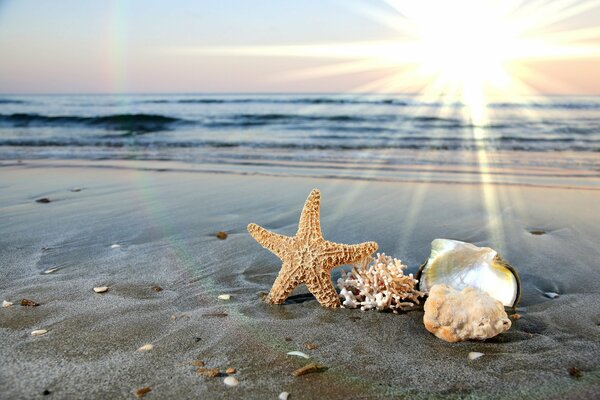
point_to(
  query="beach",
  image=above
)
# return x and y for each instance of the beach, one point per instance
(134, 226)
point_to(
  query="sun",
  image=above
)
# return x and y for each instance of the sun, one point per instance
(468, 47)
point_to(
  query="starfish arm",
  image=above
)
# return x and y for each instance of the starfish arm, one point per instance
(309, 225)
(319, 284)
(283, 286)
(271, 241)
(335, 254)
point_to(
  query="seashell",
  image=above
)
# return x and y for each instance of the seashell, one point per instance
(51, 270)
(101, 289)
(224, 297)
(298, 354)
(474, 355)
(283, 396)
(551, 295)
(460, 265)
(146, 347)
(39, 332)
(454, 315)
(309, 369)
(231, 381)
(6, 304)
(115, 246)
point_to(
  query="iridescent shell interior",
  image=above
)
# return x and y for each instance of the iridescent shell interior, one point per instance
(460, 264)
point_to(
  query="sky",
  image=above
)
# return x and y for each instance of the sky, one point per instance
(236, 46)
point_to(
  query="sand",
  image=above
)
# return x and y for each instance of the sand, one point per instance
(165, 220)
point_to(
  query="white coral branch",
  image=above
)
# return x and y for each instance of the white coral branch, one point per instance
(379, 283)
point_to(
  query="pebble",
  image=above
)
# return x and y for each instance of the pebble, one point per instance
(76, 189)
(551, 295)
(283, 396)
(231, 381)
(516, 316)
(575, 372)
(298, 354)
(39, 332)
(146, 347)
(157, 288)
(115, 246)
(101, 289)
(51, 270)
(230, 371)
(474, 355)
(224, 297)
(29, 303)
(43, 200)
(311, 346)
(221, 235)
(6, 304)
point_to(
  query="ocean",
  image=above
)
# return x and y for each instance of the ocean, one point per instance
(351, 135)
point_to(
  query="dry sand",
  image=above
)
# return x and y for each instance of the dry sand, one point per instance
(165, 222)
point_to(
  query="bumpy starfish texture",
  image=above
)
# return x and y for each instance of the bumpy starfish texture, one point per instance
(307, 257)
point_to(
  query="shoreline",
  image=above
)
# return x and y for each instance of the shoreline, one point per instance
(542, 177)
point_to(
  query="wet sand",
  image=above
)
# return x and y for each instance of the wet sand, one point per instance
(165, 220)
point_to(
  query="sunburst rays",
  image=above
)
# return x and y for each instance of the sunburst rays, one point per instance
(464, 52)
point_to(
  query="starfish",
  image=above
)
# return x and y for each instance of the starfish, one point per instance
(307, 257)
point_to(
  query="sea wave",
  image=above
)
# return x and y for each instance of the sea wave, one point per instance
(392, 101)
(121, 122)
(12, 101)
(271, 100)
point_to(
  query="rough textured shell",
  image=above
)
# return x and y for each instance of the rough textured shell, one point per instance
(454, 315)
(460, 265)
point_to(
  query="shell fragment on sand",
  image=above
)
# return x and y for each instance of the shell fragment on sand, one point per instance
(51, 270)
(551, 295)
(224, 297)
(298, 354)
(460, 265)
(474, 355)
(208, 372)
(115, 246)
(230, 371)
(231, 381)
(141, 392)
(454, 315)
(309, 369)
(101, 289)
(146, 347)
(39, 332)
(6, 304)
(283, 396)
